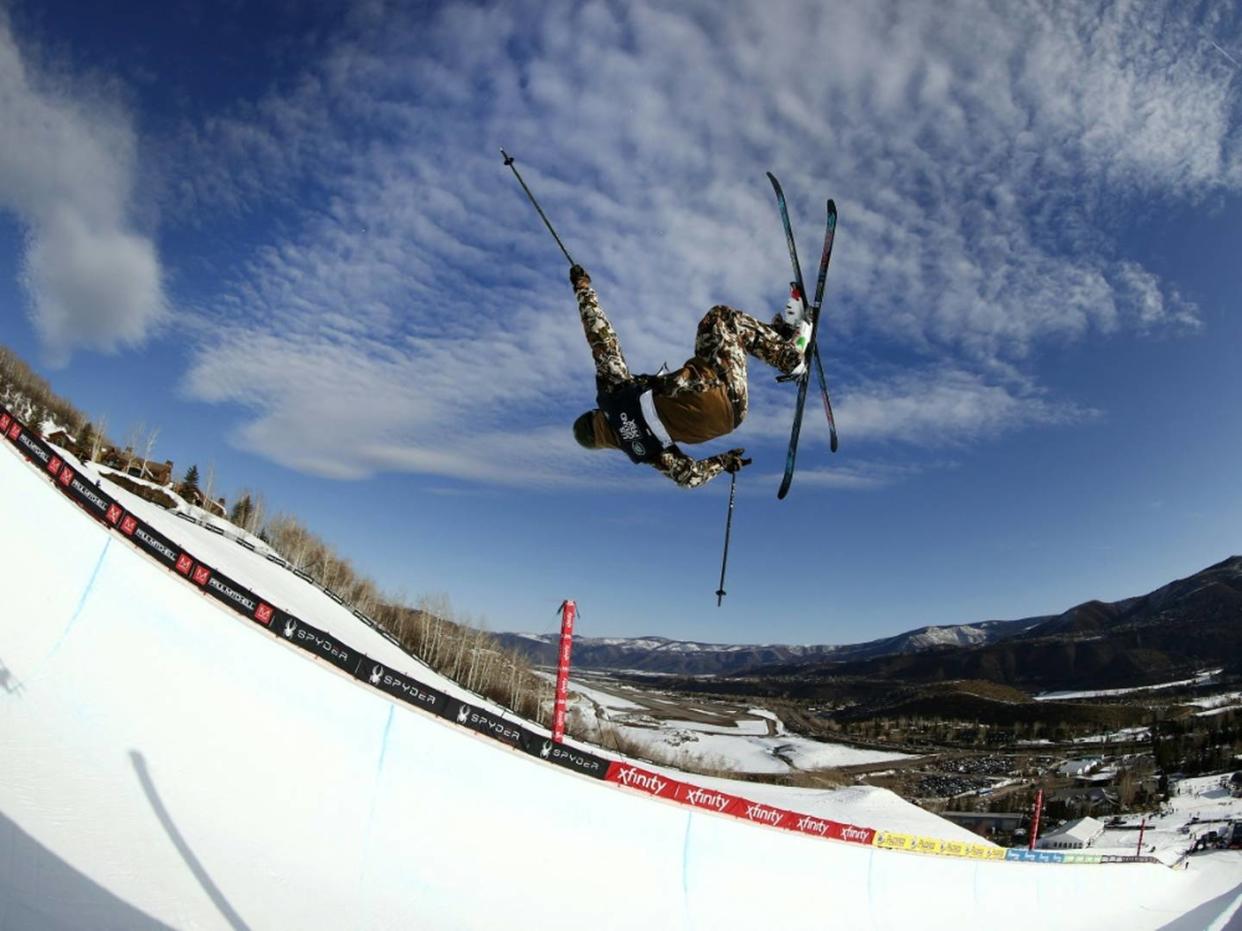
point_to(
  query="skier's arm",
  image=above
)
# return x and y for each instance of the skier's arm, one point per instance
(610, 367)
(691, 473)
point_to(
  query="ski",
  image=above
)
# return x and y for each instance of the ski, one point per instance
(814, 307)
(829, 235)
(830, 231)
(789, 236)
(823, 395)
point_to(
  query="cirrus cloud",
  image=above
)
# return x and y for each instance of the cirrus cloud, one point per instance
(982, 155)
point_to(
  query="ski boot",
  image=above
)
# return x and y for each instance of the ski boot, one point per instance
(794, 324)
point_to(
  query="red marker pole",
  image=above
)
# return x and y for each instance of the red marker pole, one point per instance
(568, 609)
(1138, 852)
(1039, 807)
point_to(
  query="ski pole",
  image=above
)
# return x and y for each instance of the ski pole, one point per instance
(724, 560)
(543, 216)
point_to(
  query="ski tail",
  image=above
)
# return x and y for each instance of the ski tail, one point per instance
(791, 455)
(823, 396)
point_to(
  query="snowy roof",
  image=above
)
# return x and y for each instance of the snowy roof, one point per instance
(1082, 829)
(1078, 767)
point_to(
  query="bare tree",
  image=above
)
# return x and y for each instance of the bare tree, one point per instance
(98, 440)
(133, 441)
(209, 483)
(1127, 788)
(148, 447)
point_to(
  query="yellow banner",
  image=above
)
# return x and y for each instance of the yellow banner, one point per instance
(956, 848)
(984, 852)
(932, 845)
(894, 841)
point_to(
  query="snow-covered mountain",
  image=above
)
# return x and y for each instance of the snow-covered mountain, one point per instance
(1168, 634)
(688, 657)
(1186, 625)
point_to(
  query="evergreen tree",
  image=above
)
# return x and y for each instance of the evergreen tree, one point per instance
(38, 414)
(86, 441)
(189, 484)
(242, 510)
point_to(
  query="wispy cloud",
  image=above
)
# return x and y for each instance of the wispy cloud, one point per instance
(978, 153)
(855, 476)
(67, 169)
(947, 406)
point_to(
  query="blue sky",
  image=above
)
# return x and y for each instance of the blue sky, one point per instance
(283, 235)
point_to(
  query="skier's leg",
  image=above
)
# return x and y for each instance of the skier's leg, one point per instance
(726, 335)
(610, 367)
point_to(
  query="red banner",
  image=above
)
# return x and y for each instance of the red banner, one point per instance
(767, 814)
(562, 671)
(851, 833)
(808, 824)
(623, 774)
(719, 802)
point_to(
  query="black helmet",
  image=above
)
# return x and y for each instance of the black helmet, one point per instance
(584, 430)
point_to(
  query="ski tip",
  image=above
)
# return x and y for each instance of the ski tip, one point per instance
(832, 443)
(832, 207)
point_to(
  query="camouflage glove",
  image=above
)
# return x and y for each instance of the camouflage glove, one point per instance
(578, 277)
(733, 461)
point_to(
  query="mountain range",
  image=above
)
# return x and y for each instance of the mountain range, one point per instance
(1178, 629)
(661, 655)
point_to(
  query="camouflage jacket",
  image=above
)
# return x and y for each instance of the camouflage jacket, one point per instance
(691, 401)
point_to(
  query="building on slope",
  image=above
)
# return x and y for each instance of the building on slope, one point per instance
(1080, 801)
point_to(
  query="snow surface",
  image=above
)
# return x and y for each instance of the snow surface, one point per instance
(1195, 807)
(1124, 735)
(1201, 678)
(164, 763)
(748, 754)
(1213, 712)
(1216, 701)
(741, 746)
(1217, 704)
(276, 584)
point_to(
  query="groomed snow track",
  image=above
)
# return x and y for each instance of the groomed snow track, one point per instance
(164, 763)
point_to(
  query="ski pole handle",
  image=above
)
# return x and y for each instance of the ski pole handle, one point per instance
(509, 161)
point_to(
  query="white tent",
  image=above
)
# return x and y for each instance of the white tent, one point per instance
(1073, 835)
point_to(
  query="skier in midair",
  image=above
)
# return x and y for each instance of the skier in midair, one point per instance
(646, 416)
